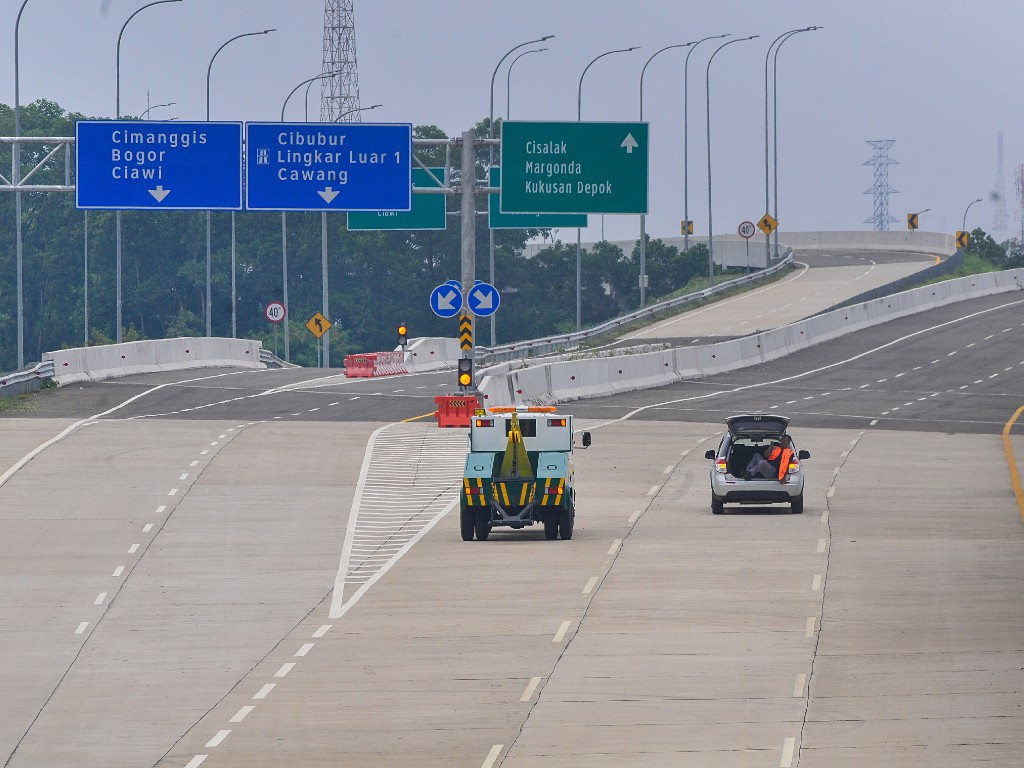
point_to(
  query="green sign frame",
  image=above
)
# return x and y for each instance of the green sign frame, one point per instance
(428, 211)
(574, 167)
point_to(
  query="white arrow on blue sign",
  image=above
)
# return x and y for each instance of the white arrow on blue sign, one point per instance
(483, 299)
(446, 301)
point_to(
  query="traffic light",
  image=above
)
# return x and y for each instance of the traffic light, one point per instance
(403, 333)
(465, 376)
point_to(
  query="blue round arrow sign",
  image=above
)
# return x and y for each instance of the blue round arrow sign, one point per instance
(483, 299)
(446, 301)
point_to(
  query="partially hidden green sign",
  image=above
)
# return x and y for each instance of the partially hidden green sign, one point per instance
(428, 211)
(499, 220)
(574, 167)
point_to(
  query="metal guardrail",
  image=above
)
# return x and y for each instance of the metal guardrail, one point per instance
(562, 342)
(28, 380)
(271, 360)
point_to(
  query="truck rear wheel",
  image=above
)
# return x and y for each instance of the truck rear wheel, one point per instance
(483, 524)
(566, 517)
(467, 522)
(550, 526)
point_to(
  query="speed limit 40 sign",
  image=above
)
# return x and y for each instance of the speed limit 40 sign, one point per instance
(275, 312)
(747, 230)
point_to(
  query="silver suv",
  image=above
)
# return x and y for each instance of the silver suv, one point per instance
(749, 434)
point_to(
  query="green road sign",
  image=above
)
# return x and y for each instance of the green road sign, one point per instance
(499, 220)
(574, 167)
(428, 211)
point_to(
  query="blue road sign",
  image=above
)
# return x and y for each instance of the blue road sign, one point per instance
(132, 164)
(446, 300)
(483, 299)
(328, 167)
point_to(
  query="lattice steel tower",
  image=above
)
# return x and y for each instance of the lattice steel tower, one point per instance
(339, 93)
(881, 190)
(999, 224)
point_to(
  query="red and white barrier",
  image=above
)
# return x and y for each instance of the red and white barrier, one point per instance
(373, 364)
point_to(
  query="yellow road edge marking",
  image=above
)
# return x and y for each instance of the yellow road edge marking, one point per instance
(1012, 461)
(417, 418)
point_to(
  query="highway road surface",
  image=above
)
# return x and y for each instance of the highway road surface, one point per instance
(262, 568)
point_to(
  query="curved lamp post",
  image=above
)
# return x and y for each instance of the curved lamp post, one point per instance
(209, 292)
(686, 138)
(490, 157)
(776, 45)
(579, 117)
(963, 226)
(508, 82)
(707, 88)
(643, 217)
(343, 115)
(145, 113)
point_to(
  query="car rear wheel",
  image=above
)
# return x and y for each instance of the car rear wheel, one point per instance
(797, 505)
(717, 505)
(467, 523)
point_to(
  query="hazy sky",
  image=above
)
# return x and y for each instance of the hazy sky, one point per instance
(941, 78)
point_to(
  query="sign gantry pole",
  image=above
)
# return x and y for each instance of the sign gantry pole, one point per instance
(468, 224)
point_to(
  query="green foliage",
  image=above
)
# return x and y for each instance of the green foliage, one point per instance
(377, 279)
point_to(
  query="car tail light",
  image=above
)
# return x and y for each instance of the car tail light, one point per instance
(794, 467)
(557, 422)
(721, 465)
(474, 491)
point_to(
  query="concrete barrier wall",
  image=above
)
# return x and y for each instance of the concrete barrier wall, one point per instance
(431, 354)
(545, 384)
(115, 360)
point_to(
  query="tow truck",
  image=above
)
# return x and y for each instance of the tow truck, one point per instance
(519, 472)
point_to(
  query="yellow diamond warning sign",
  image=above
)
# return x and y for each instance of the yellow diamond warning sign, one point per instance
(318, 325)
(767, 224)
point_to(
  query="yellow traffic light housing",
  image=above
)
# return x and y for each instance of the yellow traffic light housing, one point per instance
(465, 373)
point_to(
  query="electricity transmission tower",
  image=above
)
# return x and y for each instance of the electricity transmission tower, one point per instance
(339, 93)
(881, 189)
(999, 225)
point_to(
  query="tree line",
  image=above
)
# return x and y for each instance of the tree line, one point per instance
(377, 279)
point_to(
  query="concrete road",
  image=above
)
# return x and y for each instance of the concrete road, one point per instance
(171, 573)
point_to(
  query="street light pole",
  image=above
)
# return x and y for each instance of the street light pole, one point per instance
(16, 180)
(686, 138)
(508, 82)
(119, 335)
(209, 259)
(579, 118)
(775, 129)
(490, 160)
(963, 227)
(707, 90)
(643, 216)
(145, 114)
